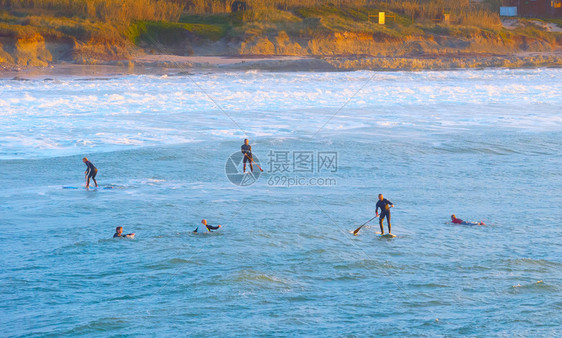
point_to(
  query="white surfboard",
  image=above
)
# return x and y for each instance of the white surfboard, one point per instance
(386, 235)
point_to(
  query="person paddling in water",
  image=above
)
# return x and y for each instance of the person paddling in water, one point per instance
(119, 233)
(385, 206)
(456, 220)
(247, 152)
(90, 172)
(204, 227)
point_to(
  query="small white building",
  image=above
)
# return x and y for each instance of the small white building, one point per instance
(508, 11)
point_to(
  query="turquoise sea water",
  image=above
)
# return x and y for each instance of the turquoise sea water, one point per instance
(483, 144)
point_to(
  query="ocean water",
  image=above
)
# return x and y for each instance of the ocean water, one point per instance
(483, 144)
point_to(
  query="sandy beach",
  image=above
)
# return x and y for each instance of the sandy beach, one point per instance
(164, 64)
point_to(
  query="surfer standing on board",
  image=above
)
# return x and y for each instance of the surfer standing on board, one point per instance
(385, 206)
(91, 172)
(247, 152)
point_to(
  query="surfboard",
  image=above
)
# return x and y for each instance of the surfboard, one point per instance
(126, 237)
(91, 188)
(385, 235)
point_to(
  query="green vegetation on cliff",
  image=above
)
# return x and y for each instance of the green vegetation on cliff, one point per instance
(37, 32)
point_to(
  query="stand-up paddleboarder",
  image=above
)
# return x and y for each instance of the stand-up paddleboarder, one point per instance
(247, 152)
(385, 206)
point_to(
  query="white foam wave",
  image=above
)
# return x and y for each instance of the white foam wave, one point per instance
(134, 111)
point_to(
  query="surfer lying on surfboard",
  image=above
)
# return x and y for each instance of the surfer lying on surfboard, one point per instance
(119, 233)
(204, 227)
(456, 220)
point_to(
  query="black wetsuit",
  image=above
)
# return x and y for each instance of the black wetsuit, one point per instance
(92, 171)
(384, 205)
(117, 235)
(209, 227)
(247, 151)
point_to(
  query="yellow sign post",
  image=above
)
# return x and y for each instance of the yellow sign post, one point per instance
(381, 18)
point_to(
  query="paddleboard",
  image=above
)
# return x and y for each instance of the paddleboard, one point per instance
(386, 235)
(91, 188)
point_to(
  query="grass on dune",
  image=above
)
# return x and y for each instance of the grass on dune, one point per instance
(310, 24)
(171, 32)
(59, 28)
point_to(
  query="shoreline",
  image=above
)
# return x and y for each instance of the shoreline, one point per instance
(161, 64)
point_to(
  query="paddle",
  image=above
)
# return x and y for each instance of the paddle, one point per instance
(357, 230)
(252, 160)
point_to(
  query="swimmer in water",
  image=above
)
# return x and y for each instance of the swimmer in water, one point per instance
(119, 233)
(204, 227)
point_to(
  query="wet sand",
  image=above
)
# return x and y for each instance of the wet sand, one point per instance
(174, 64)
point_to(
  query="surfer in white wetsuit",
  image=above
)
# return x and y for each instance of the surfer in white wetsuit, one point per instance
(204, 227)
